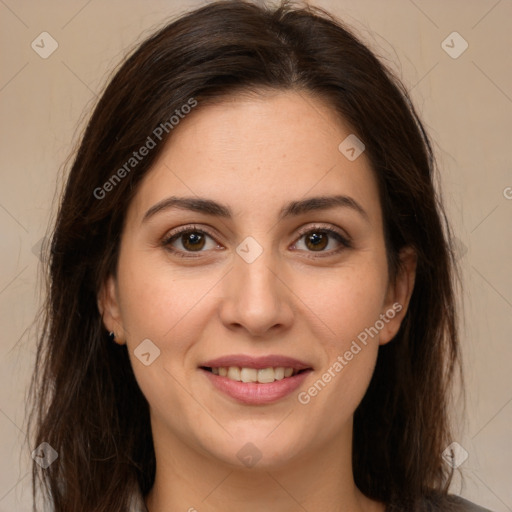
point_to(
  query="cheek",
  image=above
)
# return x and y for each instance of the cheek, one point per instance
(347, 301)
(170, 308)
(158, 302)
(349, 305)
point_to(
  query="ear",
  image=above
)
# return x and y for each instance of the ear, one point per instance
(398, 295)
(108, 306)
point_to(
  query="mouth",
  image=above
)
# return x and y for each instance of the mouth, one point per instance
(260, 376)
(256, 380)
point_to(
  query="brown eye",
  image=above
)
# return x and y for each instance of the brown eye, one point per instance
(193, 241)
(188, 240)
(317, 241)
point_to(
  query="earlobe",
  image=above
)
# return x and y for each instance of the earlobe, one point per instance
(399, 294)
(108, 307)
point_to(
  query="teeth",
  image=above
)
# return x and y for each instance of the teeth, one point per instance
(279, 373)
(266, 375)
(248, 375)
(233, 373)
(263, 376)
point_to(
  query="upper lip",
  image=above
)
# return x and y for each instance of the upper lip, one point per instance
(246, 361)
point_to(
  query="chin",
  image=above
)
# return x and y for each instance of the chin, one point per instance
(259, 451)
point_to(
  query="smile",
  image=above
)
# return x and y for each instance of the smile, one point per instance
(262, 376)
(252, 391)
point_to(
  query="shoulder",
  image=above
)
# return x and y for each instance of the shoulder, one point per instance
(437, 502)
(463, 505)
(450, 503)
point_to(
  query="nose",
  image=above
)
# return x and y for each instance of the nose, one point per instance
(256, 298)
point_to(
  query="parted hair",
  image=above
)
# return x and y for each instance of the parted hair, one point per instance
(85, 401)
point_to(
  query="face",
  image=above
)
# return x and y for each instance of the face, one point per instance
(265, 273)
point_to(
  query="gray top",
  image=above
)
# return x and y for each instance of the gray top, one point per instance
(137, 505)
(137, 502)
(468, 506)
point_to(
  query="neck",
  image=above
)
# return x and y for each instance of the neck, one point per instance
(319, 480)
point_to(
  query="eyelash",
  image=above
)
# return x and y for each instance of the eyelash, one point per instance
(167, 241)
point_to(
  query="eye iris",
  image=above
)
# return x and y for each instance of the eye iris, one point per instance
(319, 240)
(194, 240)
(190, 239)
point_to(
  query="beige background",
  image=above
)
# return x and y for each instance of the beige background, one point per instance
(466, 104)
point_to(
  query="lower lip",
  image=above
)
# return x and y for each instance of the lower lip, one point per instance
(254, 393)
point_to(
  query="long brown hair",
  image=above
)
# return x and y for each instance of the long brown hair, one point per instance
(86, 402)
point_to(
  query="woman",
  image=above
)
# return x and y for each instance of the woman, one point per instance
(252, 298)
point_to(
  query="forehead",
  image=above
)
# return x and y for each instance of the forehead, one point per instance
(256, 152)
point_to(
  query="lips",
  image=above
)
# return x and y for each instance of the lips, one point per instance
(246, 361)
(256, 380)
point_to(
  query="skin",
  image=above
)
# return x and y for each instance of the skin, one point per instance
(255, 154)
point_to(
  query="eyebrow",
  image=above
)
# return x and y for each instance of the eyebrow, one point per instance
(293, 208)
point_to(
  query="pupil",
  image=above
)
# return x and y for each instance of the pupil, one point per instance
(318, 240)
(192, 239)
